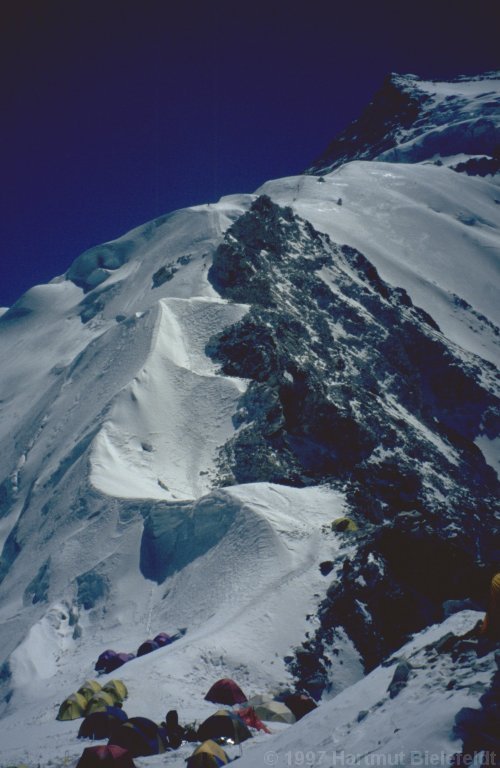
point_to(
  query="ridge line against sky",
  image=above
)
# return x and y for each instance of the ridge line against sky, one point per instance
(117, 112)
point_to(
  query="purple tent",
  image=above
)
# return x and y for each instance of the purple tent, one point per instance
(104, 660)
(121, 658)
(110, 660)
(146, 647)
(162, 639)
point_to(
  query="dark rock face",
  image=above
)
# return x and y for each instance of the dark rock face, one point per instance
(91, 587)
(480, 728)
(163, 275)
(482, 166)
(353, 385)
(375, 131)
(38, 589)
(402, 573)
(326, 567)
(341, 366)
(399, 679)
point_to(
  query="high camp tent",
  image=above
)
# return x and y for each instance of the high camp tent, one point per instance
(103, 663)
(105, 756)
(224, 723)
(274, 711)
(102, 725)
(208, 755)
(72, 707)
(147, 647)
(99, 702)
(117, 689)
(110, 660)
(163, 639)
(140, 736)
(88, 688)
(226, 691)
(259, 698)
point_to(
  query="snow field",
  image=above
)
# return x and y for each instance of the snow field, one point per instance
(245, 603)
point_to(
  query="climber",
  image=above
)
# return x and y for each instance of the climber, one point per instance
(175, 733)
(484, 635)
(490, 625)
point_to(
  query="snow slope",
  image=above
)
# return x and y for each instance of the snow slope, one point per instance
(244, 601)
(360, 725)
(363, 725)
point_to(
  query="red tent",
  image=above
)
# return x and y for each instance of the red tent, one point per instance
(105, 756)
(226, 691)
(300, 704)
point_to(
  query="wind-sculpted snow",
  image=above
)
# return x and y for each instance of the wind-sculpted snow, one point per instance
(162, 431)
(94, 266)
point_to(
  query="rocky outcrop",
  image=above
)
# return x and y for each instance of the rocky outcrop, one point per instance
(353, 385)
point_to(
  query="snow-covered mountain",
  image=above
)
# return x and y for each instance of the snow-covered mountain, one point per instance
(189, 414)
(411, 120)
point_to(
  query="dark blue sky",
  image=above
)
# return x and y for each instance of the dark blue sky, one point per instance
(115, 112)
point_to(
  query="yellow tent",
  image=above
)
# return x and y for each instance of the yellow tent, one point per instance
(99, 702)
(72, 707)
(208, 755)
(343, 524)
(117, 689)
(88, 688)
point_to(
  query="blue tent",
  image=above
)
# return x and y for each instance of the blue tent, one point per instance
(140, 736)
(101, 725)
